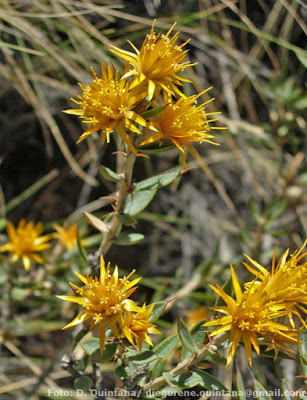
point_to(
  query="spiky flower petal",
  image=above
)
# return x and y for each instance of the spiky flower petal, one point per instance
(67, 236)
(136, 326)
(253, 315)
(106, 303)
(108, 104)
(157, 63)
(26, 242)
(182, 123)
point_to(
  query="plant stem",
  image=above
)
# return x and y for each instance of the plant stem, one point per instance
(186, 364)
(123, 191)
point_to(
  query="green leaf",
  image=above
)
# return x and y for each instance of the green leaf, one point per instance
(285, 390)
(165, 348)
(302, 58)
(227, 287)
(303, 350)
(153, 112)
(78, 337)
(110, 175)
(143, 358)
(215, 358)
(122, 372)
(92, 348)
(240, 386)
(208, 381)
(156, 182)
(136, 202)
(145, 191)
(128, 239)
(198, 334)
(157, 310)
(276, 208)
(80, 247)
(83, 382)
(182, 381)
(82, 363)
(126, 220)
(3, 223)
(261, 392)
(185, 336)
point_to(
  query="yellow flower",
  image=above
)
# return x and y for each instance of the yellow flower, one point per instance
(252, 315)
(182, 123)
(286, 283)
(66, 236)
(26, 242)
(104, 299)
(107, 104)
(157, 63)
(196, 315)
(136, 326)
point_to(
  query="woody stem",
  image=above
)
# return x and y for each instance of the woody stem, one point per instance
(123, 191)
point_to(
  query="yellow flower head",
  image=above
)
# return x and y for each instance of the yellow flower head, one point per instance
(252, 315)
(104, 299)
(26, 242)
(107, 104)
(66, 236)
(182, 123)
(286, 282)
(157, 63)
(136, 326)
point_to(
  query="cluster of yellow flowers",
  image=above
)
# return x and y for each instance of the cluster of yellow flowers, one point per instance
(115, 102)
(263, 312)
(26, 240)
(106, 303)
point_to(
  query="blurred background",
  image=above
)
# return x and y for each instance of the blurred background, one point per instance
(251, 196)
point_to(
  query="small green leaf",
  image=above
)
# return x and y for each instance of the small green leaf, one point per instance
(157, 310)
(110, 175)
(83, 382)
(240, 386)
(165, 348)
(302, 58)
(157, 181)
(198, 333)
(261, 392)
(3, 223)
(143, 358)
(78, 337)
(208, 381)
(276, 208)
(136, 202)
(303, 350)
(185, 336)
(182, 381)
(152, 112)
(122, 372)
(92, 348)
(80, 247)
(82, 363)
(285, 390)
(126, 220)
(214, 358)
(127, 239)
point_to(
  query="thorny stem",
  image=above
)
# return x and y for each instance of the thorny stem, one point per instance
(186, 364)
(123, 191)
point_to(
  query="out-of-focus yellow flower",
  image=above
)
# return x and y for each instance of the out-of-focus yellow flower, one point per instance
(26, 242)
(108, 104)
(67, 236)
(105, 300)
(136, 326)
(157, 63)
(182, 123)
(251, 315)
(285, 283)
(196, 315)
